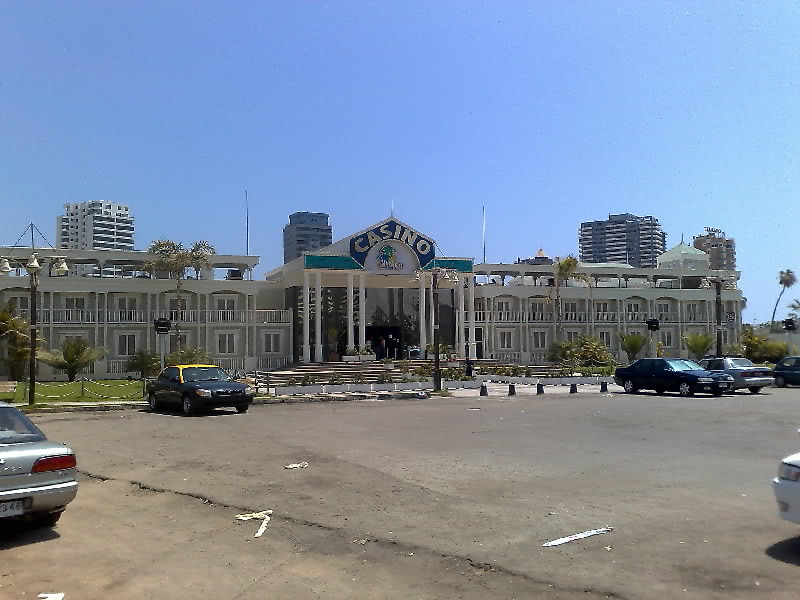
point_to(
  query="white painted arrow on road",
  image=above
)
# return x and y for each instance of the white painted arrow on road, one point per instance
(51, 596)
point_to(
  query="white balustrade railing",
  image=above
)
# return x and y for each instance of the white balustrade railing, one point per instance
(268, 363)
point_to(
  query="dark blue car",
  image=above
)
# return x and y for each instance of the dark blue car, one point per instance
(787, 371)
(197, 388)
(672, 375)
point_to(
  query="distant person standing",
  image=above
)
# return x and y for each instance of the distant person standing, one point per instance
(469, 367)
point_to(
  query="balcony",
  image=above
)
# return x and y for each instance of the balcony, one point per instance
(65, 316)
(540, 317)
(605, 317)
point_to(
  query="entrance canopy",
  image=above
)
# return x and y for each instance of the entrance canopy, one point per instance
(389, 249)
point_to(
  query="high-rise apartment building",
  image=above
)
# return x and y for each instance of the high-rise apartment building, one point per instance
(95, 225)
(721, 250)
(306, 232)
(623, 238)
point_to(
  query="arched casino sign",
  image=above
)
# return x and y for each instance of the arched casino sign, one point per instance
(392, 248)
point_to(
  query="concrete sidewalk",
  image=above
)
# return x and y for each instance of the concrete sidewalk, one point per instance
(497, 391)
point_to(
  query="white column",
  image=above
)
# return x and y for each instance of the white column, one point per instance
(460, 317)
(679, 341)
(471, 315)
(432, 312)
(423, 330)
(350, 341)
(362, 310)
(306, 328)
(318, 317)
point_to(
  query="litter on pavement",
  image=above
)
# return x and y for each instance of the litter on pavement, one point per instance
(577, 536)
(264, 514)
(300, 465)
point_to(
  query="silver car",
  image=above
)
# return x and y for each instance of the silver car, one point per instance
(37, 477)
(745, 374)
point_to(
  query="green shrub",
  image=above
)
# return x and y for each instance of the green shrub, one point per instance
(385, 377)
(308, 380)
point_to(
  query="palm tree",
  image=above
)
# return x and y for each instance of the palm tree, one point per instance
(564, 269)
(75, 354)
(632, 344)
(174, 259)
(795, 308)
(14, 334)
(698, 344)
(145, 363)
(787, 279)
(188, 356)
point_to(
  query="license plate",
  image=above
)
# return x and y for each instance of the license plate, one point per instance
(11, 509)
(723, 385)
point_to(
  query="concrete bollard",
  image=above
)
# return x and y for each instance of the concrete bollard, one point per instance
(573, 388)
(603, 387)
(512, 389)
(540, 388)
(484, 391)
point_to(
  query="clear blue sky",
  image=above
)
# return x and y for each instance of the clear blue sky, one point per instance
(549, 113)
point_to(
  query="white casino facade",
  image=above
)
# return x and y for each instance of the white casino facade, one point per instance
(373, 289)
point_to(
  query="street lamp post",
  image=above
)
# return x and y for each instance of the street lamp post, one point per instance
(437, 273)
(33, 267)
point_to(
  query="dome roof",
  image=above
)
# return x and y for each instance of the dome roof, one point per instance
(682, 253)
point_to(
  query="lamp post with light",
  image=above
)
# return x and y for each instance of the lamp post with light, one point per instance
(437, 274)
(33, 267)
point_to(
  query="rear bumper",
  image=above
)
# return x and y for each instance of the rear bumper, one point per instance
(45, 498)
(748, 382)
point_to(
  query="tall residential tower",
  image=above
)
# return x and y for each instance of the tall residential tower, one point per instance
(720, 249)
(95, 225)
(623, 238)
(306, 232)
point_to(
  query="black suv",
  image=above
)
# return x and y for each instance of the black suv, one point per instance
(671, 374)
(196, 388)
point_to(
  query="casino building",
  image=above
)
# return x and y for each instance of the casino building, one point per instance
(373, 289)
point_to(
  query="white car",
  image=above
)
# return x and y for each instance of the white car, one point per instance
(787, 488)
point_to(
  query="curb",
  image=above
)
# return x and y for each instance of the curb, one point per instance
(102, 407)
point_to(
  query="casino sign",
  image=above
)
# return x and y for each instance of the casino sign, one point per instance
(391, 247)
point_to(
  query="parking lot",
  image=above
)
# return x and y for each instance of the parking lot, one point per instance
(436, 498)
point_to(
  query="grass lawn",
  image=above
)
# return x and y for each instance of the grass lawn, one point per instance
(78, 391)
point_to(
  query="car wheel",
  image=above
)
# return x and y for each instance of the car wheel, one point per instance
(755, 390)
(659, 391)
(46, 519)
(188, 406)
(242, 409)
(628, 386)
(780, 381)
(685, 390)
(152, 402)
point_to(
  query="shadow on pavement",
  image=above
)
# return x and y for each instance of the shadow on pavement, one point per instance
(21, 533)
(787, 551)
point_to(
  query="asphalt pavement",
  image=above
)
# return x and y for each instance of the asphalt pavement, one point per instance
(436, 498)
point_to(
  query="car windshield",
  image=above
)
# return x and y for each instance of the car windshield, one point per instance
(16, 428)
(741, 362)
(684, 365)
(205, 374)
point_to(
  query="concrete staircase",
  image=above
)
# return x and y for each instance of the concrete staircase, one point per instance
(349, 372)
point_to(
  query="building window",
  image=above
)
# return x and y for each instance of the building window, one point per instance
(662, 308)
(605, 337)
(74, 337)
(691, 311)
(570, 307)
(572, 336)
(226, 343)
(272, 342)
(226, 308)
(126, 344)
(173, 342)
(506, 340)
(539, 339)
(633, 307)
(666, 338)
